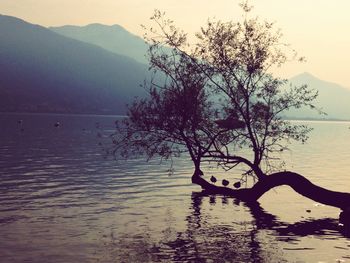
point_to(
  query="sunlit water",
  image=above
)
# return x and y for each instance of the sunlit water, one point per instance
(61, 200)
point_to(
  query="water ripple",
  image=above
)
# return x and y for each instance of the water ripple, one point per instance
(62, 201)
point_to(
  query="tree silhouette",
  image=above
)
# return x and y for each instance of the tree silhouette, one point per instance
(214, 97)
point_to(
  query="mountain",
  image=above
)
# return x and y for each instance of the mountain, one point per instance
(112, 38)
(42, 71)
(93, 69)
(332, 98)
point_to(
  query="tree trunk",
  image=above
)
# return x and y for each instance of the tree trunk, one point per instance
(296, 181)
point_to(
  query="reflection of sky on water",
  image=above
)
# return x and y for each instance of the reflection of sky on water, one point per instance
(61, 201)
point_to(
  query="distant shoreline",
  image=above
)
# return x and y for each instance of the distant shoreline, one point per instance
(62, 114)
(121, 115)
(317, 119)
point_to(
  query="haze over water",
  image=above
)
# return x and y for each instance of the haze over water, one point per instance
(62, 201)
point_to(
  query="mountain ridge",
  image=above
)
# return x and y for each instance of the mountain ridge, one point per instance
(333, 99)
(113, 38)
(44, 71)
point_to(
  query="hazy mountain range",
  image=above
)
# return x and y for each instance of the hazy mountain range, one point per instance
(42, 71)
(332, 99)
(112, 38)
(97, 69)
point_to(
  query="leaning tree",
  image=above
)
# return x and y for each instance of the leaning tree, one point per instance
(214, 97)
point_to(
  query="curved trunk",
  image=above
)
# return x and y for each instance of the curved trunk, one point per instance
(296, 181)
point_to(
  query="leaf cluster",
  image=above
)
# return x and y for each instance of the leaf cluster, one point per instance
(203, 93)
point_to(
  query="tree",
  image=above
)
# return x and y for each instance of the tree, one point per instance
(217, 96)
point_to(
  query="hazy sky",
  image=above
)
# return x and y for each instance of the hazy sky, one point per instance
(317, 29)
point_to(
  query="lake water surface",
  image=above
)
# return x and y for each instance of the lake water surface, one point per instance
(62, 200)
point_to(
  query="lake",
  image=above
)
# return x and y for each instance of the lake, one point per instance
(63, 200)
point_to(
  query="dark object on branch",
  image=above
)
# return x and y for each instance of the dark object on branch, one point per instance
(213, 179)
(230, 124)
(225, 182)
(296, 181)
(237, 184)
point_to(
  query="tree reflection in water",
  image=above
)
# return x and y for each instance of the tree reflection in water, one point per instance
(203, 241)
(315, 227)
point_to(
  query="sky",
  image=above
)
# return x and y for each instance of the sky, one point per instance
(318, 30)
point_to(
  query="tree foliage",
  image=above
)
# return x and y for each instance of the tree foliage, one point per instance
(215, 96)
